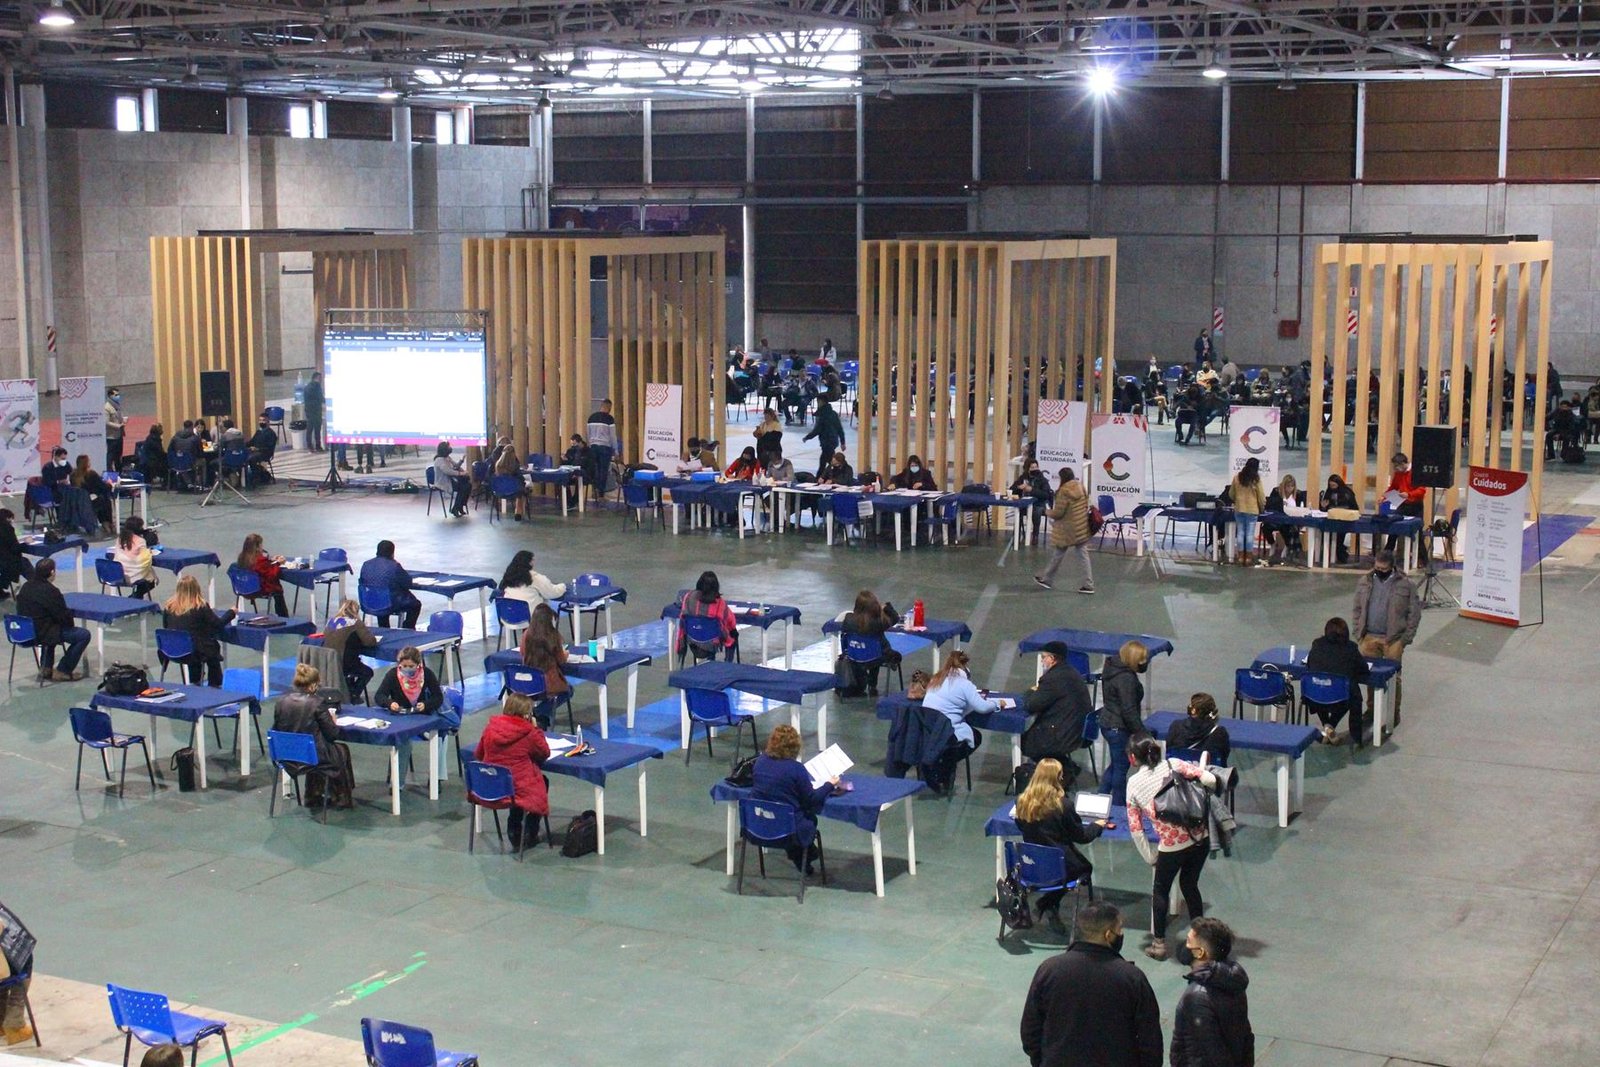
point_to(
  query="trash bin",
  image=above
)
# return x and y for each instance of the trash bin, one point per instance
(297, 435)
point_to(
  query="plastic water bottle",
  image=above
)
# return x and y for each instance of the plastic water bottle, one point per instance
(580, 737)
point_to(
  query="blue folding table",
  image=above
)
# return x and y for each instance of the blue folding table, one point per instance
(257, 636)
(308, 573)
(608, 758)
(392, 641)
(1019, 506)
(177, 560)
(34, 545)
(193, 703)
(559, 476)
(1003, 824)
(580, 597)
(870, 796)
(580, 670)
(770, 684)
(450, 586)
(745, 613)
(905, 638)
(1286, 742)
(1099, 643)
(395, 732)
(1012, 720)
(1379, 673)
(102, 610)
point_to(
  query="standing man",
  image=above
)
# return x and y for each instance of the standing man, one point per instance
(1211, 1024)
(1387, 613)
(1202, 349)
(1069, 532)
(313, 403)
(1089, 1007)
(602, 434)
(828, 430)
(41, 601)
(116, 426)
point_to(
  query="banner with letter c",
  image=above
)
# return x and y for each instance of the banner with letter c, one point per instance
(1120, 446)
(19, 432)
(83, 419)
(1491, 558)
(1058, 436)
(663, 424)
(1253, 434)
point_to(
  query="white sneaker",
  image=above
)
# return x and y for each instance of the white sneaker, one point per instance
(1087, 590)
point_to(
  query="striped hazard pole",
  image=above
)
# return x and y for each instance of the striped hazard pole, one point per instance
(50, 341)
(1216, 319)
(1352, 319)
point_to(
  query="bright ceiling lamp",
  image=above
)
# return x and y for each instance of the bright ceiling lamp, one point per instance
(56, 16)
(905, 18)
(390, 91)
(1102, 80)
(1215, 69)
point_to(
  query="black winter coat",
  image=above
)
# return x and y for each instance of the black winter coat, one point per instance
(1211, 1024)
(1089, 1007)
(1123, 694)
(1056, 707)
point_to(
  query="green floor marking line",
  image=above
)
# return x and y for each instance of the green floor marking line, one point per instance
(352, 993)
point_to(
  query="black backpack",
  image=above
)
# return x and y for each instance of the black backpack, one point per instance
(1572, 452)
(124, 680)
(583, 836)
(1012, 900)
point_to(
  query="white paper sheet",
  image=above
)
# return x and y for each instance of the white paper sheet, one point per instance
(830, 763)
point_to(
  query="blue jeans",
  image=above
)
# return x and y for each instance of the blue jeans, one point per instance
(1115, 778)
(75, 639)
(1244, 525)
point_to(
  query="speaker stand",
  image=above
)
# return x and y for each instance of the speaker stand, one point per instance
(1434, 593)
(331, 482)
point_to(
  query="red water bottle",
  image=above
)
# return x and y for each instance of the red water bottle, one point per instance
(916, 614)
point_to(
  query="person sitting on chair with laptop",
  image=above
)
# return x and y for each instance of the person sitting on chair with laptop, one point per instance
(1046, 818)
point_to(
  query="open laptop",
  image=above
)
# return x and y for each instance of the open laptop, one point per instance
(1092, 806)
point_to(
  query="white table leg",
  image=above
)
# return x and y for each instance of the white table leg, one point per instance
(935, 650)
(100, 645)
(673, 504)
(605, 712)
(877, 860)
(830, 527)
(1380, 714)
(433, 766)
(822, 725)
(211, 584)
(633, 692)
(683, 719)
(999, 859)
(579, 481)
(200, 751)
(788, 644)
(83, 559)
(600, 818)
(483, 611)
(911, 837)
(608, 617)
(1283, 790)
(394, 779)
(1016, 751)
(731, 833)
(644, 823)
(794, 718)
(897, 515)
(672, 642)
(765, 630)
(243, 739)
(266, 663)
(153, 752)
(1299, 783)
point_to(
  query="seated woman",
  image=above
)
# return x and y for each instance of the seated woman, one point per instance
(745, 468)
(409, 688)
(1334, 653)
(1339, 495)
(1032, 483)
(914, 476)
(138, 563)
(188, 611)
(450, 475)
(14, 565)
(87, 480)
(543, 650)
(302, 711)
(836, 472)
(706, 599)
(1045, 817)
(769, 435)
(521, 582)
(1285, 535)
(871, 620)
(780, 777)
(152, 454)
(952, 693)
(346, 634)
(578, 455)
(1201, 732)
(507, 465)
(513, 740)
(253, 557)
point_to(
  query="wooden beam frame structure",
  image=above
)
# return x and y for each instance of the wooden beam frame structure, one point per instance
(1424, 313)
(958, 336)
(666, 323)
(206, 305)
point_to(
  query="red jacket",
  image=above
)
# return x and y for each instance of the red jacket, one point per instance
(1400, 482)
(519, 746)
(718, 609)
(268, 572)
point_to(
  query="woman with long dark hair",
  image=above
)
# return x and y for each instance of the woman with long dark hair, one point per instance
(521, 582)
(873, 620)
(253, 557)
(1249, 498)
(449, 472)
(706, 599)
(138, 563)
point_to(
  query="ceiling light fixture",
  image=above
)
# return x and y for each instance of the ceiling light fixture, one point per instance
(390, 91)
(544, 101)
(1102, 81)
(905, 19)
(886, 93)
(56, 16)
(1215, 70)
(191, 76)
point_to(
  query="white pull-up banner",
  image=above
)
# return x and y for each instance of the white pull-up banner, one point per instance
(1491, 559)
(663, 424)
(1058, 436)
(1253, 434)
(1120, 447)
(19, 427)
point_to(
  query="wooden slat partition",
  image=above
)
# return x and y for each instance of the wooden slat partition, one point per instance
(666, 322)
(949, 326)
(1474, 329)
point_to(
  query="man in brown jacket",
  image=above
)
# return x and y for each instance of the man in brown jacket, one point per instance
(1069, 531)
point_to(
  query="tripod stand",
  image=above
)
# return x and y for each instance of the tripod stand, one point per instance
(1434, 593)
(332, 481)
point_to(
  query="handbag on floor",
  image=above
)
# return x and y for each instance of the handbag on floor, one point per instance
(183, 767)
(582, 837)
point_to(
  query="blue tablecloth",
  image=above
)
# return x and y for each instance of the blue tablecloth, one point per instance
(938, 631)
(391, 642)
(861, 805)
(722, 497)
(890, 503)
(398, 729)
(1009, 721)
(198, 701)
(744, 612)
(598, 672)
(1003, 823)
(176, 559)
(553, 475)
(1094, 642)
(785, 687)
(32, 547)
(1379, 671)
(449, 585)
(318, 570)
(1277, 737)
(989, 500)
(256, 637)
(1400, 526)
(96, 607)
(582, 596)
(608, 758)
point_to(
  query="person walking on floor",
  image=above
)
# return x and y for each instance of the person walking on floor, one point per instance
(312, 409)
(1181, 851)
(1069, 532)
(830, 434)
(1211, 1024)
(1089, 1007)
(116, 428)
(1387, 614)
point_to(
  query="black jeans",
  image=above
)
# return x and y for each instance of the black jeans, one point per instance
(1184, 865)
(944, 770)
(356, 678)
(407, 607)
(522, 827)
(210, 666)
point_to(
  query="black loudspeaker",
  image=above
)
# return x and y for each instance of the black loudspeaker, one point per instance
(216, 393)
(1433, 460)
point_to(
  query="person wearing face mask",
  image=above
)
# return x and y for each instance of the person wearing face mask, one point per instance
(116, 427)
(1411, 505)
(829, 432)
(1339, 495)
(1032, 483)
(1122, 718)
(409, 687)
(744, 468)
(57, 471)
(1386, 616)
(1056, 706)
(836, 471)
(915, 476)
(1088, 1005)
(1211, 1024)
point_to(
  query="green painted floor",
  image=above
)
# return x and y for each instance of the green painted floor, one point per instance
(1435, 902)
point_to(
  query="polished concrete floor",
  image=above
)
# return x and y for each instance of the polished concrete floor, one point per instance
(1434, 904)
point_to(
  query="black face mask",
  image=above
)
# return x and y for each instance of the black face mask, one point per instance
(1116, 944)
(1382, 576)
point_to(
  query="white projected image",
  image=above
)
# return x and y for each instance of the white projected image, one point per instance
(406, 387)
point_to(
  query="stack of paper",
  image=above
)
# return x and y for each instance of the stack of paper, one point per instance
(559, 745)
(828, 764)
(164, 698)
(361, 723)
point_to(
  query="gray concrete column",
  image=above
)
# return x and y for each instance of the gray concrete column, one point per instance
(649, 145)
(149, 111)
(400, 133)
(1361, 131)
(1227, 128)
(19, 231)
(239, 130)
(33, 122)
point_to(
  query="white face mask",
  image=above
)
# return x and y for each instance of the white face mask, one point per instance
(915, 469)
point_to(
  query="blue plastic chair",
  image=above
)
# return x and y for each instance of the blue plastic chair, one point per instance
(637, 500)
(296, 755)
(701, 632)
(1041, 869)
(847, 512)
(375, 600)
(529, 682)
(449, 622)
(1260, 689)
(391, 1044)
(91, 728)
(246, 586)
(947, 517)
(867, 651)
(503, 488)
(489, 786)
(41, 500)
(21, 633)
(19, 983)
(110, 573)
(435, 491)
(180, 468)
(275, 421)
(235, 461)
(1118, 523)
(717, 707)
(1091, 734)
(1323, 690)
(513, 615)
(150, 1018)
(1079, 661)
(591, 580)
(174, 645)
(769, 824)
